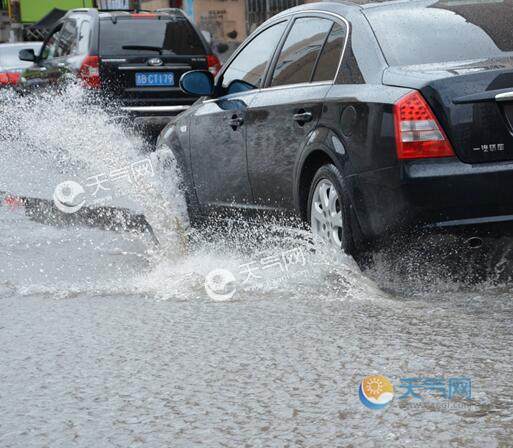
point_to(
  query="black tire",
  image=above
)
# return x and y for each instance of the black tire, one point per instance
(331, 173)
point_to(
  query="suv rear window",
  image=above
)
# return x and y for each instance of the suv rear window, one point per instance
(446, 31)
(175, 36)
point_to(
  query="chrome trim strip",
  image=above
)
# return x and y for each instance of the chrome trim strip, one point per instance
(160, 67)
(267, 89)
(155, 108)
(302, 84)
(470, 221)
(152, 89)
(508, 96)
(213, 100)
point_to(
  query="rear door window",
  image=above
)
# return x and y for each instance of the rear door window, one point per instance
(175, 36)
(300, 51)
(329, 58)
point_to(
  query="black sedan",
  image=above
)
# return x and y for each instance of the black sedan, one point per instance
(359, 119)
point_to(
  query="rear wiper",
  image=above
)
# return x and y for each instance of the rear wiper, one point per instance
(143, 47)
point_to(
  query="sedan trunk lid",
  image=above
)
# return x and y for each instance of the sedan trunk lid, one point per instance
(473, 101)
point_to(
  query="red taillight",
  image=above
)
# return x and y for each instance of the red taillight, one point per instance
(9, 78)
(214, 65)
(90, 72)
(417, 131)
(14, 77)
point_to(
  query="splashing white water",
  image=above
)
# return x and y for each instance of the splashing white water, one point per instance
(72, 135)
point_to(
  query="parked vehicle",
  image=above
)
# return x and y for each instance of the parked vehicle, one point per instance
(360, 119)
(135, 57)
(10, 64)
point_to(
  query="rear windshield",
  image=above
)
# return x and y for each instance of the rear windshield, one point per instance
(446, 31)
(173, 36)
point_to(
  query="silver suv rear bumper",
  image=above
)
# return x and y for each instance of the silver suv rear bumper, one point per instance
(153, 117)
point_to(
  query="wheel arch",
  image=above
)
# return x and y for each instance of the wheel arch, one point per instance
(324, 146)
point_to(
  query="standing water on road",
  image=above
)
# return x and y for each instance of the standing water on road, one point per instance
(243, 336)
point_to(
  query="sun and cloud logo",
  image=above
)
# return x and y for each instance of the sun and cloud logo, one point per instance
(220, 284)
(376, 391)
(68, 196)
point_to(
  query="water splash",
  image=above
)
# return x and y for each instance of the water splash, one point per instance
(75, 135)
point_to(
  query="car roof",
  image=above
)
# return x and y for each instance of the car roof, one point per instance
(364, 4)
(129, 13)
(356, 5)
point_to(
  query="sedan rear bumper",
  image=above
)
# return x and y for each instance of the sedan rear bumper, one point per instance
(442, 193)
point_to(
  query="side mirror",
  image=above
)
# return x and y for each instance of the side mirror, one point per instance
(197, 83)
(27, 55)
(238, 86)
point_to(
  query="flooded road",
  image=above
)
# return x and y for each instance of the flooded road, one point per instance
(107, 339)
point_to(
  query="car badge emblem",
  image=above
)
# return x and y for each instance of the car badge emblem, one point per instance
(155, 62)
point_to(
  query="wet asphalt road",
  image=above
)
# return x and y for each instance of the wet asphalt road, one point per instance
(101, 344)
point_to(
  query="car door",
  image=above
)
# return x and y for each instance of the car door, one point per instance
(218, 125)
(286, 111)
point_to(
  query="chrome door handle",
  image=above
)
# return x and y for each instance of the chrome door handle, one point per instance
(303, 117)
(235, 122)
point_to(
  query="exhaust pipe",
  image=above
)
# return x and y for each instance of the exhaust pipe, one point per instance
(474, 242)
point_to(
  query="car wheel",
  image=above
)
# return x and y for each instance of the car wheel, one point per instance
(329, 208)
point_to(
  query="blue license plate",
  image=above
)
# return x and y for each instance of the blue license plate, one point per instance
(160, 79)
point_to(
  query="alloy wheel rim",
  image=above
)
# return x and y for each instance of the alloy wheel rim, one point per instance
(326, 214)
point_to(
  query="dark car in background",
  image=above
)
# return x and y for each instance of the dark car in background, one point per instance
(10, 64)
(359, 119)
(135, 57)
